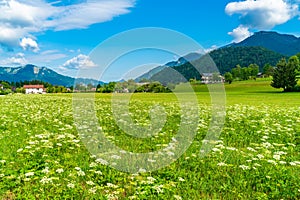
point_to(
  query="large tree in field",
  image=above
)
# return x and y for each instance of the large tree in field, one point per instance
(285, 74)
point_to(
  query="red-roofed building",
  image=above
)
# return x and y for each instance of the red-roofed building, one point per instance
(34, 89)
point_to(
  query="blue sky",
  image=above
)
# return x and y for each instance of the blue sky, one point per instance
(61, 34)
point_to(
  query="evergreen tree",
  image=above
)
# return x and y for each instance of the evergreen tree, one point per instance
(285, 74)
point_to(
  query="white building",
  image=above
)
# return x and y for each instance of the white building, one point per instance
(34, 89)
(208, 78)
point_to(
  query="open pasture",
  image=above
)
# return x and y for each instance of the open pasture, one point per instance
(256, 156)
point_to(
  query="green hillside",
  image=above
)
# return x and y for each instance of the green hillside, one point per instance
(223, 59)
(228, 58)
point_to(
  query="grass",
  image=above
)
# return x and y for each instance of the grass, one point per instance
(256, 157)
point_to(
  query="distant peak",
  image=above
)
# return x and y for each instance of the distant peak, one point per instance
(265, 32)
(30, 65)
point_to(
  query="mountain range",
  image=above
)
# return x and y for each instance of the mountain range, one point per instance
(265, 47)
(261, 48)
(32, 72)
(281, 43)
(181, 61)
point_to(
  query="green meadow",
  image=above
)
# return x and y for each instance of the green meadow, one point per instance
(256, 156)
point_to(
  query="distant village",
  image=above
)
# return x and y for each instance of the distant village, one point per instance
(130, 86)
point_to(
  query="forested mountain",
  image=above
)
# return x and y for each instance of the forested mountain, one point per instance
(228, 58)
(181, 61)
(281, 43)
(223, 59)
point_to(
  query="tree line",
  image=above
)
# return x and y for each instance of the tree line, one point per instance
(130, 86)
(7, 87)
(284, 75)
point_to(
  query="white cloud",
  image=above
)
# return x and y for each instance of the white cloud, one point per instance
(213, 47)
(29, 44)
(240, 33)
(18, 59)
(91, 12)
(79, 62)
(261, 14)
(20, 18)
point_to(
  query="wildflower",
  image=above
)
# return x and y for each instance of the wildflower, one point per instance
(46, 170)
(123, 152)
(111, 185)
(158, 188)
(93, 164)
(181, 179)
(280, 153)
(2, 161)
(60, 170)
(102, 161)
(19, 150)
(116, 157)
(29, 174)
(2, 175)
(59, 144)
(276, 157)
(80, 173)
(267, 145)
(141, 170)
(170, 153)
(90, 183)
(251, 149)
(78, 168)
(98, 172)
(231, 148)
(265, 137)
(272, 162)
(152, 161)
(177, 197)
(70, 185)
(216, 150)
(93, 190)
(282, 162)
(111, 196)
(293, 163)
(221, 164)
(297, 162)
(61, 137)
(260, 156)
(221, 146)
(244, 167)
(149, 178)
(46, 180)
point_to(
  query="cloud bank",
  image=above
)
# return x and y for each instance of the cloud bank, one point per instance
(17, 60)
(19, 18)
(260, 15)
(79, 62)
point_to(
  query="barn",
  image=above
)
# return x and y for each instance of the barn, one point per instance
(34, 89)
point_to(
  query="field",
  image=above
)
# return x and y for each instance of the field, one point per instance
(42, 155)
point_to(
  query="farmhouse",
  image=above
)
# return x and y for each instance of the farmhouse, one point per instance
(34, 89)
(208, 78)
